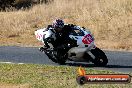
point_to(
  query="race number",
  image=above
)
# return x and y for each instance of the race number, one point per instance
(39, 36)
(87, 39)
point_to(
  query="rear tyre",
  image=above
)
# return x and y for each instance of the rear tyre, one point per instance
(51, 56)
(62, 59)
(61, 62)
(56, 57)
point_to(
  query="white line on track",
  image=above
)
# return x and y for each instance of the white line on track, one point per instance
(10, 63)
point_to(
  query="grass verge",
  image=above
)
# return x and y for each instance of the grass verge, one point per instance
(44, 76)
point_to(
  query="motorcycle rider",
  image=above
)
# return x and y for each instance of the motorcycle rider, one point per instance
(62, 32)
(63, 42)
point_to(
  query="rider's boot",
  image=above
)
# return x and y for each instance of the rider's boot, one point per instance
(43, 48)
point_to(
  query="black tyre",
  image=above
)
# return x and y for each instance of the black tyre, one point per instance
(62, 59)
(61, 62)
(56, 57)
(100, 57)
(100, 61)
(51, 56)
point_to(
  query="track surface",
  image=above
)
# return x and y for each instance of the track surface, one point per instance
(118, 60)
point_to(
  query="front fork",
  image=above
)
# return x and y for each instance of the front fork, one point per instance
(89, 55)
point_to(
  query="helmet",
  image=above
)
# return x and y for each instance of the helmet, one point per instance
(58, 23)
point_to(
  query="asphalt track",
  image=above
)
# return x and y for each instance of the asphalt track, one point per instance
(120, 61)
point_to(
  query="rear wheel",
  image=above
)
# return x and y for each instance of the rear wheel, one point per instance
(62, 59)
(100, 57)
(61, 62)
(51, 56)
(56, 57)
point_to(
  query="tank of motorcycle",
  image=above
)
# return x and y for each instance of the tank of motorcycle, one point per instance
(83, 37)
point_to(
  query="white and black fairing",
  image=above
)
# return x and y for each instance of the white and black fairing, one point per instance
(84, 51)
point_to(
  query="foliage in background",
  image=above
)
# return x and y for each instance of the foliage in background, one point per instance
(110, 21)
(18, 4)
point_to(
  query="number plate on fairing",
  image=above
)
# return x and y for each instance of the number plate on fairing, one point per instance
(87, 39)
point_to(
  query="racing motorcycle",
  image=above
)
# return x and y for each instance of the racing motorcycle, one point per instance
(85, 51)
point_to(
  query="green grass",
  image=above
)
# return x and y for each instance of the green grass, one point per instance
(44, 76)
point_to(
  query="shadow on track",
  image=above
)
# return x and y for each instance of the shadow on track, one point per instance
(92, 65)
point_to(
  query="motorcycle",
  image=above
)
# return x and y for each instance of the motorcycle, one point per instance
(85, 51)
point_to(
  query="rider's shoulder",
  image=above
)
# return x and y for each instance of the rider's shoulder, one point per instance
(49, 27)
(70, 25)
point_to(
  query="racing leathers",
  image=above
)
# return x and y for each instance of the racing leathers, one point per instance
(63, 42)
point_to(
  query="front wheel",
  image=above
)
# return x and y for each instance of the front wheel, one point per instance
(100, 57)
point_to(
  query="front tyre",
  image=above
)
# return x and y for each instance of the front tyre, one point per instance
(100, 57)
(101, 61)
